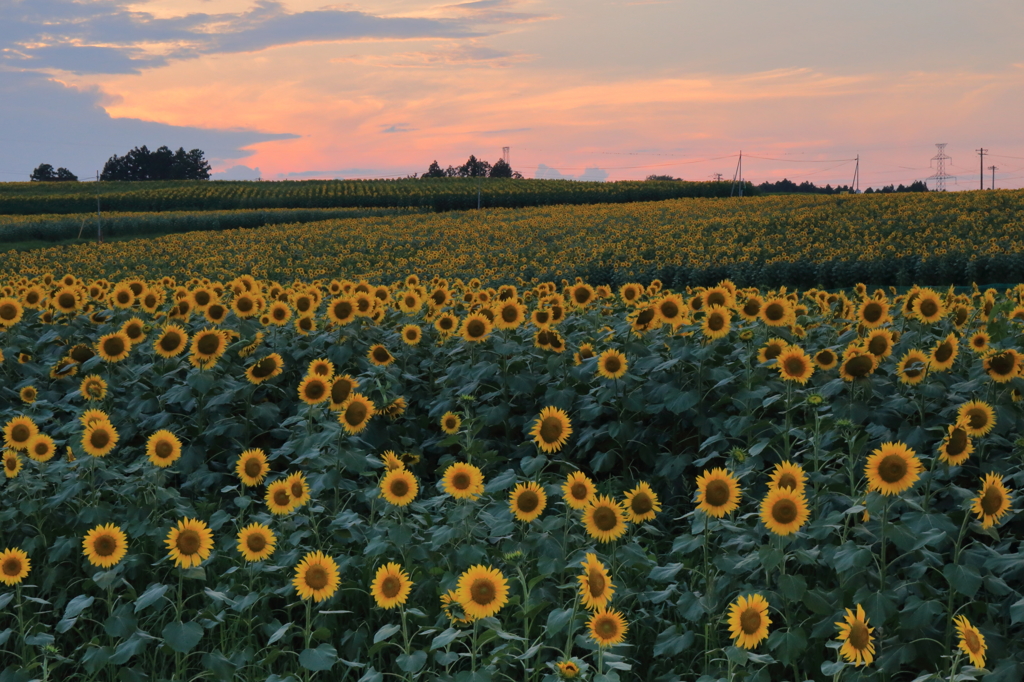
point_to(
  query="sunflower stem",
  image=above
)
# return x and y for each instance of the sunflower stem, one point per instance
(883, 522)
(309, 632)
(950, 601)
(572, 624)
(405, 634)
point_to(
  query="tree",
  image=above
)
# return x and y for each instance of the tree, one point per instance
(162, 164)
(663, 178)
(45, 173)
(474, 168)
(501, 169)
(435, 171)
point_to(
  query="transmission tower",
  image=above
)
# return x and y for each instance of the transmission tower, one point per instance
(940, 176)
(504, 153)
(718, 177)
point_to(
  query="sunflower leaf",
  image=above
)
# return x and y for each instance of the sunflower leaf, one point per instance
(182, 637)
(386, 631)
(321, 658)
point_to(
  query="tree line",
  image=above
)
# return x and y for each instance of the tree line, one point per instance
(139, 164)
(473, 168)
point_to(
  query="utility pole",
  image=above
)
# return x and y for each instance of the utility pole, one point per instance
(738, 175)
(718, 177)
(981, 176)
(993, 169)
(856, 177)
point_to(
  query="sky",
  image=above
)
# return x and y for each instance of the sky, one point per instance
(581, 89)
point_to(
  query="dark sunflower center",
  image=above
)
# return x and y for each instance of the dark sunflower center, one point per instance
(133, 331)
(208, 344)
(41, 448)
(449, 424)
(297, 490)
(315, 390)
(340, 391)
(253, 468)
(878, 345)
(957, 442)
(775, 311)
(316, 577)
(447, 323)
(645, 317)
(607, 628)
(752, 307)
(391, 586)
(245, 304)
(67, 301)
(12, 566)
(795, 367)
(264, 368)
(605, 519)
(1002, 363)
(586, 353)
(510, 313)
(991, 501)
(411, 334)
(114, 346)
(750, 621)
(784, 512)
(355, 414)
(342, 310)
(551, 429)
(123, 297)
(11, 462)
(630, 294)
(202, 297)
(256, 542)
(163, 449)
(669, 310)
(188, 542)
(612, 364)
(929, 307)
(596, 582)
(872, 312)
(716, 322)
(381, 354)
(787, 480)
(104, 545)
(716, 298)
(461, 481)
(978, 418)
(944, 351)
(773, 351)
(892, 468)
(280, 312)
(978, 342)
(170, 341)
(482, 591)
(859, 636)
(716, 493)
(972, 641)
(20, 433)
(859, 366)
(476, 329)
(641, 504)
(527, 501)
(8, 311)
(399, 487)
(281, 498)
(99, 439)
(578, 491)
(914, 368)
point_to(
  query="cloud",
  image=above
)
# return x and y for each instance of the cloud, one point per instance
(47, 122)
(448, 55)
(237, 173)
(590, 174)
(397, 128)
(355, 173)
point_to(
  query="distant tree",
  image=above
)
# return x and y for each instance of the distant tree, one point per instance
(45, 173)
(474, 168)
(162, 164)
(435, 171)
(663, 178)
(501, 169)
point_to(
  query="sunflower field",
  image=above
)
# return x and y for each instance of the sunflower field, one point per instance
(439, 479)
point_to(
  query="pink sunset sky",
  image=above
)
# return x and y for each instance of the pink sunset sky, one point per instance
(608, 89)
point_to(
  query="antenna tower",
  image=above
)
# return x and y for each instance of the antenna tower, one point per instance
(940, 176)
(504, 153)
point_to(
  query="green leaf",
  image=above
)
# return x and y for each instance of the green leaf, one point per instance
(278, 633)
(385, 632)
(152, 595)
(792, 586)
(77, 605)
(321, 658)
(664, 574)
(133, 646)
(963, 579)
(557, 620)
(182, 637)
(444, 639)
(411, 663)
(1017, 612)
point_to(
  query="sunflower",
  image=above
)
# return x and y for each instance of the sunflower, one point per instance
(316, 577)
(93, 387)
(90, 416)
(412, 334)
(341, 389)
(475, 328)
(99, 438)
(279, 498)
(928, 306)
(18, 432)
(857, 365)
(256, 542)
(578, 490)
(298, 488)
(446, 324)
(163, 448)
(611, 364)
(992, 502)
(313, 390)
(40, 448)
(527, 501)
(171, 342)
(509, 314)
(795, 365)
(28, 394)
(11, 312)
(718, 492)
(978, 417)
(105, 546)
(450, 423)
(66, 300)
(771, 350)
(671, 310)
(453, 609)
(641, 503)
(596, 587)
(979, 342)
(113, 347)
(391, 460)
(604, 519)
(826, 358)
(552, 429)
(482, 591)
(568, 670)
(189, 543)
(631, 293)
(265, 368)
(208, 344)
(321, 367)
(391, 586)
(749, 620)
(858, 644)
(1004, 365)
(607, 627)
(463, 481)
(912, 367)
(784, 511)
(355, 414)
(956, 447)
(873, 313)
(944, 354)
(399, 487)
(788, 475)
(892, 469)
(246, 305)
(252, 467)
(12, 464)
(879, 343)
(14, 566)
(776, 312)
(379, 355)
(972, 642)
